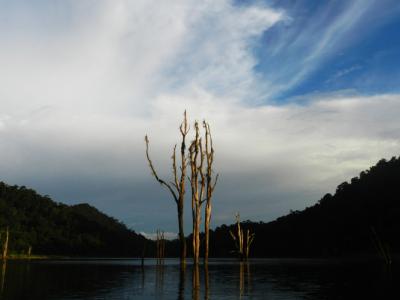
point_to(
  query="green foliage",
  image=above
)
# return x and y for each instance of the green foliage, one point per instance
(57, 229)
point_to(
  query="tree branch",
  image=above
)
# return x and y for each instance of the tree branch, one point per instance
(154, 173)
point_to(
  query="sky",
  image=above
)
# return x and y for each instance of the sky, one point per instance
(300, 96)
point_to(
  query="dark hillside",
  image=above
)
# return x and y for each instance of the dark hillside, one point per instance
(343, 224)
(55, 228)
(338, 225)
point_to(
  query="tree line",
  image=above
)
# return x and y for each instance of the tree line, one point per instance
(38, 223)
(361, 218)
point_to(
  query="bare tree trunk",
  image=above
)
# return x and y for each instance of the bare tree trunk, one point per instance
(249, 241)
(198, 219)
(177, 187)
(5, 247)
(210, 186)
(163, 246)
(143, 251)
(207, 230)
(160, 245)
(182, 241)
(196, 157)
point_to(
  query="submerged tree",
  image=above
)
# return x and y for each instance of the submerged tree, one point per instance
(243, 240)
(210, 186)
(177, 187)
(5, 245)
(201, 156)
(200, 160)
(197, 183)
(160, 245)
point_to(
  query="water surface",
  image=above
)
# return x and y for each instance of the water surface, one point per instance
(222, 279)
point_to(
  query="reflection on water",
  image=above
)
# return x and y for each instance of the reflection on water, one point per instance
(244, 275)
(196, 283)
(181, 288)
(206, 283)
(3, 274)
(220, 279)
(159, 286)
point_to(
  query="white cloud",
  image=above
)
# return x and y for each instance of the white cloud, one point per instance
(125, 53)
(153, 235)
(78, 96)
(271, 159)
(306, 42)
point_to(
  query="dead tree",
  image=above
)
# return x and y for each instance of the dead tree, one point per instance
(238, 237)
(160, 244)
(249, 241)
(381, 247)
(242, 241)
(197, 183)
(177, 187)
(144, 251)
(210, 185)
(5, 245)
(201, 157)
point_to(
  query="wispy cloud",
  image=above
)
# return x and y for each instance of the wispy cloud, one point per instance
(84, 82)
(306, 42)
(343, 72)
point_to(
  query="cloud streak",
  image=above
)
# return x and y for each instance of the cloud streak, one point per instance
(86, 80)
(305, 43)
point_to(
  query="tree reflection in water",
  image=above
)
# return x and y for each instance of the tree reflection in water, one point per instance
(3, 275)
(196, 282)
(244, 278)
(200, 283)
(206, 282)
(220, 279)
(159, 279)
(181, 288)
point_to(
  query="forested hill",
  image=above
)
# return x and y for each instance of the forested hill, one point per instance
(338, 225)
(350, 222)
(59, 229)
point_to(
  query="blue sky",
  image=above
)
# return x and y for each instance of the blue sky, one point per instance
(300, 95)
(343, 45)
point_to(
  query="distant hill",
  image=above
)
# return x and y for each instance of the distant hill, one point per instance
(59, 229)
(347, 223)
(342, 224)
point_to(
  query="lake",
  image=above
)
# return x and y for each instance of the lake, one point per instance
(222, 279)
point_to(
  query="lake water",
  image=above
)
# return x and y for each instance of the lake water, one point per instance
(222, 279)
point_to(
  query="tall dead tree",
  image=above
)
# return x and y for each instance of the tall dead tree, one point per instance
(197, 183)
(177, 187)
(210, 185)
